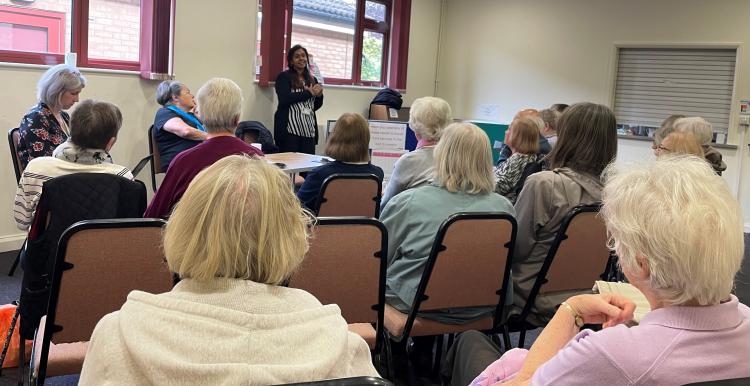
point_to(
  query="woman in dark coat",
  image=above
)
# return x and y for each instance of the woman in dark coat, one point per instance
(300, 95)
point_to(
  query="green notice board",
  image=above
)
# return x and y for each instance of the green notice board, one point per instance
(496, 132)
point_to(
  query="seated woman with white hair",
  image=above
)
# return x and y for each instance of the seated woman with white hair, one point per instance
(682, 251)
(234, 238)
(428, 116)
(703, 132)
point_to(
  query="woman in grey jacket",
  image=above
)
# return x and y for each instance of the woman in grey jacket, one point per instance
(587, 143)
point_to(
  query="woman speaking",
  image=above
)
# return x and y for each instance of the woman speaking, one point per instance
(300, 95)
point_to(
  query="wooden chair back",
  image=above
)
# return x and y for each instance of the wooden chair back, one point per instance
(350, 195)
(346, 265)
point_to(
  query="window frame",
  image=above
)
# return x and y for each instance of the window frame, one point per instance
(155, 41)
(276, 37)
(36, 18)
(80, 43)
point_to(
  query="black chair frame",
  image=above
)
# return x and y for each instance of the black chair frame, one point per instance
(350, 176)
(355, 381)
(519, 323)
(382, 254)
(151, 145)
(13, 156)
(17, 170)
(61, 265)
(438, 247)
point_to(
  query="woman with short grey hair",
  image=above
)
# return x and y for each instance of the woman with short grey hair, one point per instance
(678, 232)
(428, 116)
(703, 132)
(176, 126)
(45, 126)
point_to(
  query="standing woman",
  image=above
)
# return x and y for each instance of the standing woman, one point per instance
(46, 125)
(295, 127)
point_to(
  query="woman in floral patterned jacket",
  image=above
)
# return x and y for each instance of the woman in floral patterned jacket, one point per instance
(46, 125)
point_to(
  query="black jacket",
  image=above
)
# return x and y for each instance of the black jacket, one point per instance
(389, 97)
(66, 200)
(261, 132)
(287, 98)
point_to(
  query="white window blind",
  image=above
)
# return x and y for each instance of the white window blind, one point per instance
(654, 83)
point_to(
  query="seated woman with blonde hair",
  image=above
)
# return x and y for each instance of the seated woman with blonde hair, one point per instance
(234, 238)
(679, 143)
(696, 330)
(463, 183)
(522, 139)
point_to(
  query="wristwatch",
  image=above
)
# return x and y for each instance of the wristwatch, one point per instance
(576, 316)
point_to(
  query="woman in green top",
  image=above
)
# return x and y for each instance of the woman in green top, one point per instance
(463, 183)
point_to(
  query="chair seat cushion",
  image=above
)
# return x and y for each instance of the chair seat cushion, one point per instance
(66, 358)
(366, 331)
(395, 322)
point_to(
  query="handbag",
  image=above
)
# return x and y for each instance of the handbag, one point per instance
(9, 319)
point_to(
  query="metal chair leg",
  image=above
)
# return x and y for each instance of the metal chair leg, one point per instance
(15, 263)
(522, 337)
(21, 360)
(506, 338)
(438, 353)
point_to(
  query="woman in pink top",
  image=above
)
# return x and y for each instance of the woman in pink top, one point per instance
(679, 235)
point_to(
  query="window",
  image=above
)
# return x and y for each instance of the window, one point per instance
(654, 83)
(38, 31)
(350, 41)
(103, 33)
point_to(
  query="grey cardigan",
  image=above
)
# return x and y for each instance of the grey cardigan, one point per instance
(411, 170)
(546, 198)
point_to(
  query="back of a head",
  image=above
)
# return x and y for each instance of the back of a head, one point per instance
(239, 218)
(429, 116)
(350, 140)
(463, 160)
(167, 90)
(667, 126)
(220, 105)
(56, 80)
(559, 107)
(681, 143)
(700, 127)
(550, 118)
(681, 217)
(524, 136)
(586, 139)
(94, 123)
(526, 113)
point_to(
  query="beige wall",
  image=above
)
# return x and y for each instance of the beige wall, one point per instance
(209, 41)
(518, 54)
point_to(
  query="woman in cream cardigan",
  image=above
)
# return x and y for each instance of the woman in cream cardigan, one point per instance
(235, 236)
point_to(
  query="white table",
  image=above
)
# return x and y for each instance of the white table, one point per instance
(297, 162)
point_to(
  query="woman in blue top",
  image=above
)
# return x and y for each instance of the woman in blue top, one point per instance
(177, 128)
(349, 145)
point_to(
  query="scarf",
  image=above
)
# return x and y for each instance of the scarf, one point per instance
(67, 151)
(187, 117)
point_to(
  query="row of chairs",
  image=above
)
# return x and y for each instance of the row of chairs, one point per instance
(468, 266)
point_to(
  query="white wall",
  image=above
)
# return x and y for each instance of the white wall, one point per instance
(210, 40)
(519, 54)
